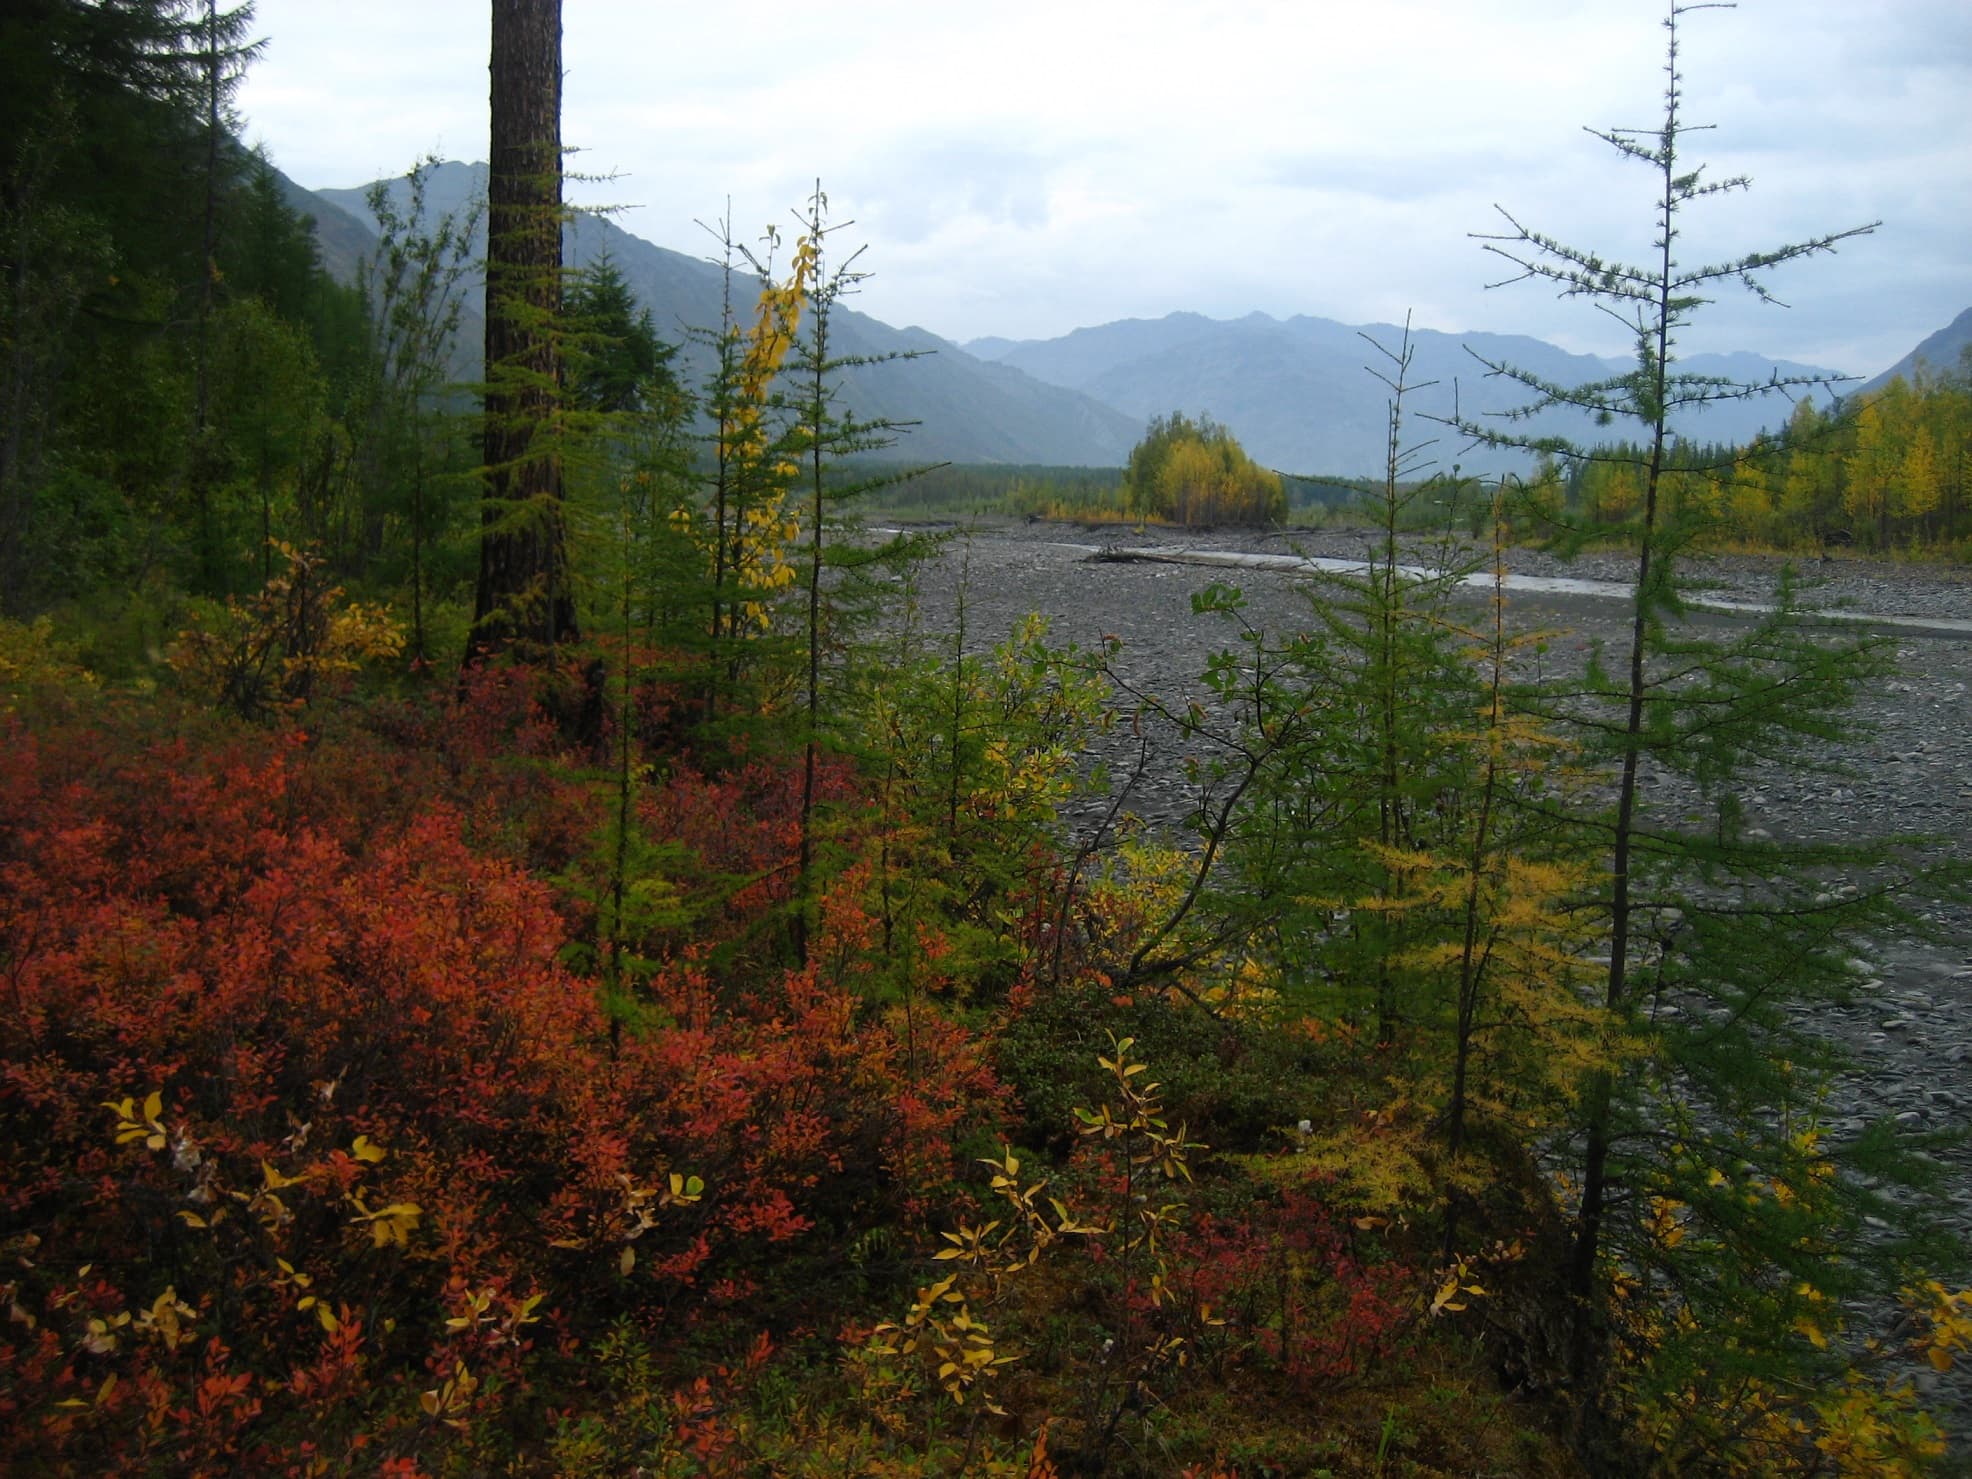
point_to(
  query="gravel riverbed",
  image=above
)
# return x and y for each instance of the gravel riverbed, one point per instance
(1908, 1032)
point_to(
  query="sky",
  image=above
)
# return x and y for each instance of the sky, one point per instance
(1029, 167)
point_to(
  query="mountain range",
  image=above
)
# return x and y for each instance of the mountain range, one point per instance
(959, 408)
(1297, 393)
(1300, 394)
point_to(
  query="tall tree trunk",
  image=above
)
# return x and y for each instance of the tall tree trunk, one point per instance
(203, 472)
(1583, 1345)
(523, 596)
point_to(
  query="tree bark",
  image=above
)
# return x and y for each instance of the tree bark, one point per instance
(523, 599)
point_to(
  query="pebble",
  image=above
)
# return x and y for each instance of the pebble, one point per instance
(1910, 1032)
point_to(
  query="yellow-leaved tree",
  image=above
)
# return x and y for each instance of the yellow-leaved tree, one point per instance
(743, 529)
(1193, 472)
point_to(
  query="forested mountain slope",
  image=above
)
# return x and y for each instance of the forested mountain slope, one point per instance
(961, 409)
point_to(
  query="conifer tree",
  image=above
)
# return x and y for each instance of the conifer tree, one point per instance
(616, 363)
(839, 583)
(1711, 929)
(224, 56)
(1356, 722)
(105, 112)
(1388, 858)
(524, 595)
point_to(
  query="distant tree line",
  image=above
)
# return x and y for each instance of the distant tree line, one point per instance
(1891, 469)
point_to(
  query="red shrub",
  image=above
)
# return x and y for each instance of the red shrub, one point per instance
(310, 1134)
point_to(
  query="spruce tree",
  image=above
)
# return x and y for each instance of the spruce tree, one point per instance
(616, 364)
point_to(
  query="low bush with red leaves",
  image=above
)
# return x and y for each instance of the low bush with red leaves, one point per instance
(319, 1151)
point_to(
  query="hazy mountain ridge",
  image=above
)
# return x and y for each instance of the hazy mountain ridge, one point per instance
(1940, 353)
(344, 239)
(959, 408)
(1296, 391)
(1299, 396)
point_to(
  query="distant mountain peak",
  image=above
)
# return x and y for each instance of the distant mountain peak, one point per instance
(1298, 396)
(1940, 353)
(1295, 391)
(959, 408)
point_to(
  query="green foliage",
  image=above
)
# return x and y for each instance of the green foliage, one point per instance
(972, 756)
(1708, 930)
(616, 362)
(406, 460)
(37, 667)
(962, 490)
(115, 216)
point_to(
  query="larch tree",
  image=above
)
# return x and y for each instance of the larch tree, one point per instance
(1872, 468)
(524, 597)
(1702, 1168)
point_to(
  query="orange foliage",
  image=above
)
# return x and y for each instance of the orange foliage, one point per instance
(319, 1152)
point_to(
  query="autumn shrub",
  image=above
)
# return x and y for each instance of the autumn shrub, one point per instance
(1237, 1077)
(38, 667)
(275, 651)
(318, 1147)
(1299, 1290)
(1193, 472)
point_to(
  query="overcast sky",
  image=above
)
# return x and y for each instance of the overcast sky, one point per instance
(1026, 168)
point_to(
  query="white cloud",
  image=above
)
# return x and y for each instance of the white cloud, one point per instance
(1029, 167)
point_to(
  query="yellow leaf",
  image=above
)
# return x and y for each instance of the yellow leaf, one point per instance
(1940, 1357)
(625, 1261)
(153, 1106)
(329, 1322)
(429, 1401)
(363, 1150)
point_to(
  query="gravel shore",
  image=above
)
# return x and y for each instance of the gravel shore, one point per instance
(1908, 1032)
